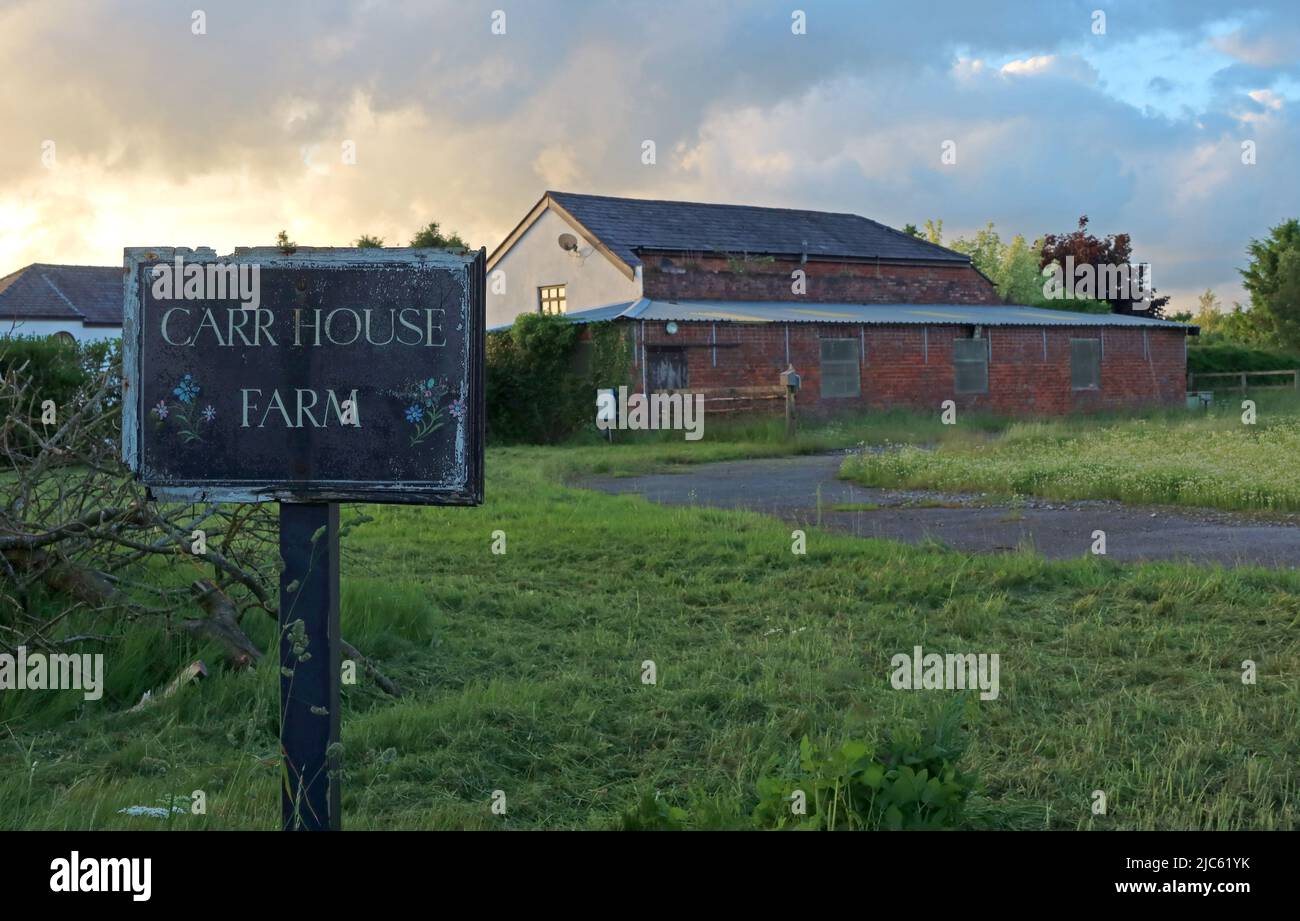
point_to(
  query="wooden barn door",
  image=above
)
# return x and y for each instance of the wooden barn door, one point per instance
(667, 368)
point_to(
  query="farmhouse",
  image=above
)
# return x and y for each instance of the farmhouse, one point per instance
(81, 302)
(722, 298)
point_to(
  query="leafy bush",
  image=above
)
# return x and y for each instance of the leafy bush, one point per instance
(44, 368)
(910, 782)
(542, 375)
(52, 367)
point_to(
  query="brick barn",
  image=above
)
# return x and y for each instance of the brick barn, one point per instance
(721, 298)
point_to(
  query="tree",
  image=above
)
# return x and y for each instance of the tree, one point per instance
(1018, 278)
(985, 250)
(1240, 326)
(366, 241)
(911, 231)
(1249, 327)
(286, 245)
(1013, 267)
(1273, 281)
(431, 236)
(1084, 249)
(1208, 316)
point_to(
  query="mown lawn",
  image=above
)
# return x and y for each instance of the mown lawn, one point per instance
(1211, 460)
(523, 674)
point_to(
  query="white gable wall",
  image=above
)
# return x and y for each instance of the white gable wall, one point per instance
(589, 277)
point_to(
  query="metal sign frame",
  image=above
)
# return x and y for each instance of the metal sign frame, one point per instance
(465, 489)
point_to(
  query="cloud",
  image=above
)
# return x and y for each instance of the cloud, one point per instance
(557, 167)
(1071, 67)
(1261, 48)
(163, 136)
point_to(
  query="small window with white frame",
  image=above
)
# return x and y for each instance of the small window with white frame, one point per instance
(552, 299)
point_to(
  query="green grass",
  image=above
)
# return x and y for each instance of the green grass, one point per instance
(523, 674)
(634, 453)
(1199, 459)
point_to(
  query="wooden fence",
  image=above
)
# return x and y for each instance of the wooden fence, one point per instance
(735, 399)
(1241, 379)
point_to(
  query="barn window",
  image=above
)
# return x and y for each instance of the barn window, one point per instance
(1085, 364)
(552, 299)
(840, 369)
(970, 359)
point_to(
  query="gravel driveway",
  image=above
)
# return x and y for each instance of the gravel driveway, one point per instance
(789, 488)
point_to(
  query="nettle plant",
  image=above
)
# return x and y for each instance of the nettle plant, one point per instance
(909, 785)
(910, 781)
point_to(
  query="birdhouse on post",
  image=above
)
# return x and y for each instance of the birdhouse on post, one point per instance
(790, 381)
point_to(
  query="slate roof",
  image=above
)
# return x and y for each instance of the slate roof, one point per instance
(627, 225)
(867, 314)
(90, 294)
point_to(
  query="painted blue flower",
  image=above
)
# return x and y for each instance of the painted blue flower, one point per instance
(414, 413)
(187, 389)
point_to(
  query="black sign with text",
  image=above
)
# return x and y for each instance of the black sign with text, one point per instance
(316, 375)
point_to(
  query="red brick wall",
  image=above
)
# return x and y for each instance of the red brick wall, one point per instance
(717, 278)
(913, 365)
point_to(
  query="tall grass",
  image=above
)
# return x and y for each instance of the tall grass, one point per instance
(522, 674)
(1204, 459)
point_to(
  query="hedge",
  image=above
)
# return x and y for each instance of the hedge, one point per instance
(54, 368)
(1208, 357)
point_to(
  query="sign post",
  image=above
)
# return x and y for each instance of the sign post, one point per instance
(310, 377)
(309, 665)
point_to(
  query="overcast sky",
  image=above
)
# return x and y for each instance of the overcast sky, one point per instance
(163, 136)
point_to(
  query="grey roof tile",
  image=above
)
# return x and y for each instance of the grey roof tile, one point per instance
(91, 294)
(627, 225)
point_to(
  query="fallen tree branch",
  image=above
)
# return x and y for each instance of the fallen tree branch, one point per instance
(386, 684)
(222, 625)
(192, 672)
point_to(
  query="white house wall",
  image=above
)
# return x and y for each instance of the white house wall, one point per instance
(50, 327)
(590, 279)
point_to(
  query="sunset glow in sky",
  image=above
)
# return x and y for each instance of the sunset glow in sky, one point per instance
(161, 136)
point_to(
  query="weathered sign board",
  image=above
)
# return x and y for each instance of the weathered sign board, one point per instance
(309, 377)
(322, 374)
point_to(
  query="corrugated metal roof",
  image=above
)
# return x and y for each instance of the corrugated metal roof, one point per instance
(870, 314)
(627, 225)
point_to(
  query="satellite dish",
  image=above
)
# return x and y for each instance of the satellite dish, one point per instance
(568, 243)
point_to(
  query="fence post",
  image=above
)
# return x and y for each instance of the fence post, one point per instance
(1243, 383)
